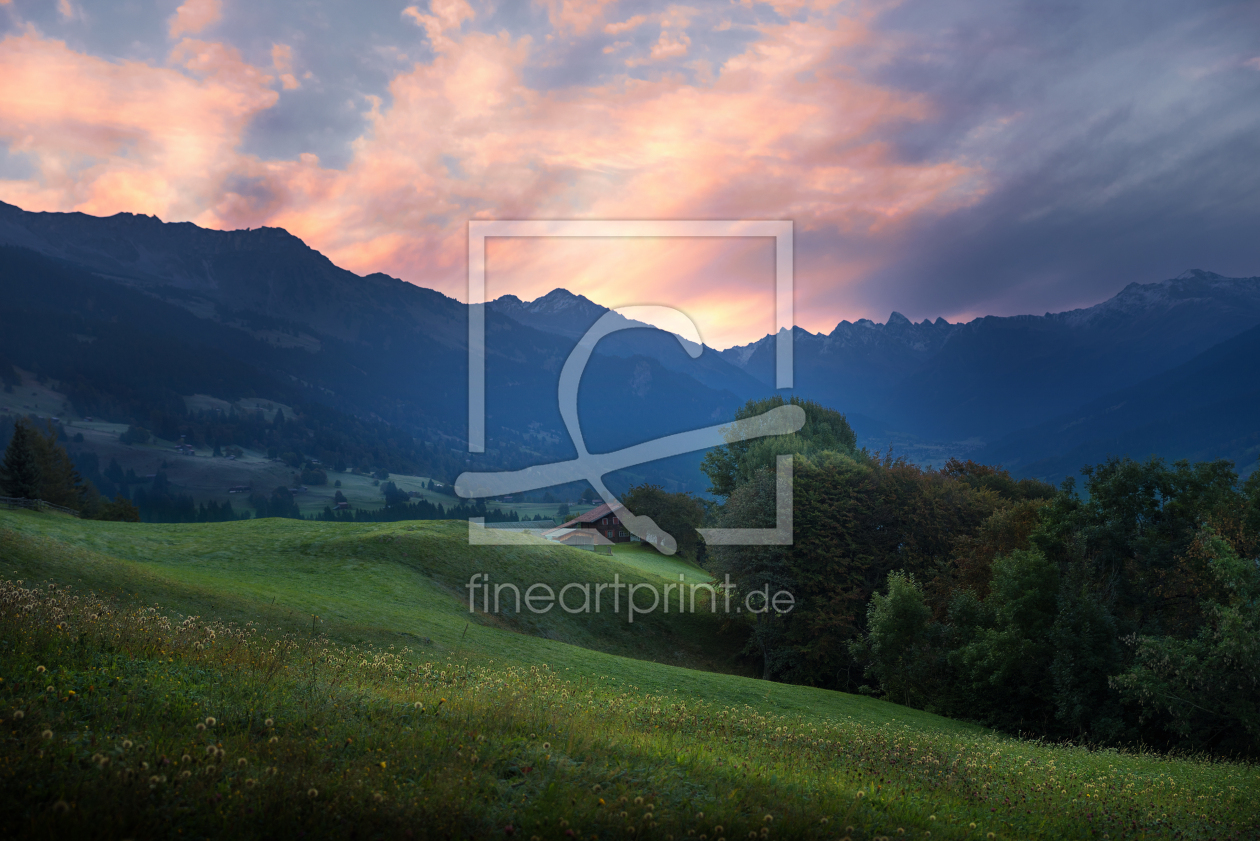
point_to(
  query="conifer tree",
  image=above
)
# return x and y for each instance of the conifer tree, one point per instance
(20, 475)
(59, 482)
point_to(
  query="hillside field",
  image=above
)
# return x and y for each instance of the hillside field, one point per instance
(299, 679)
(206, 478)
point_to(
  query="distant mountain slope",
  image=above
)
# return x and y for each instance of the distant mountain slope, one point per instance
(994, 375)
(381, 349)
(1206, 408)
(371, 346)
(856, 366)
(562, 313)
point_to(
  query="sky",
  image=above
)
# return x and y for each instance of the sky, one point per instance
(937, 159)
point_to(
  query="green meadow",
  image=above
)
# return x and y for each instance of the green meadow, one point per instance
(301, 679)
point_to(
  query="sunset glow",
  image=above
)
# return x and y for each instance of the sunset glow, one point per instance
(799, 118)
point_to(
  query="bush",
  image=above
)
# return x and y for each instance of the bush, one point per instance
(135, 435)
(120, 510)
(314, 476)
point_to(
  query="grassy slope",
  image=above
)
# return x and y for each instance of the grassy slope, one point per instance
(385, 584)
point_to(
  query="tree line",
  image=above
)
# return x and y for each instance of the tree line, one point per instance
(1123, 612)
(36, 466)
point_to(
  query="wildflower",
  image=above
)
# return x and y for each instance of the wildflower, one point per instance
(41, 670)
(596, 788)
(47, 734)
(274, 739)
(860, 794)
(378, 797)
(638, 801)
(185, 758)
(210, 722)
(312, 793)
(972, 825)
(211, 750)
(242, 762)
(383, 764)
(48, 689)
(18, 715)
(61, 805)
(185, 774)
(931, 817)
(769, 818)
(532, 736)
(201, 726)
(268, 723)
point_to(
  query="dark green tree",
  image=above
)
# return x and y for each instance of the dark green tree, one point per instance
(120, 509)
(20, 477)
(734, 463)
(679, 514)
(60, 483)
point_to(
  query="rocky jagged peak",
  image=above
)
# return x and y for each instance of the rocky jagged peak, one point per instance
(561, 300)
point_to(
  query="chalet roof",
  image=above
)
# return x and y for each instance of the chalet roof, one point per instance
(585, 537)
(591, 516)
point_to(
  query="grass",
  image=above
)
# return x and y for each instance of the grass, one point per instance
(647, 559)
(256, 720)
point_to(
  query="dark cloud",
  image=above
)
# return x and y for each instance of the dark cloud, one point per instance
(1120, 143)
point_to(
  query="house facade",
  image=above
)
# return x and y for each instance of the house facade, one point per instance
(603, 521)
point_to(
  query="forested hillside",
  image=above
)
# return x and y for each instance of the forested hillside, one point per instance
(1125, 611)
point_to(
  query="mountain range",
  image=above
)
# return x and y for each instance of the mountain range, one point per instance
(259, 311)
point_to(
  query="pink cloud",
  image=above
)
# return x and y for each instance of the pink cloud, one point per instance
(779, 131)
(669, 45)
(574, 15)
(68, 11)
(446, 15)
(626, 25)
(193, 16)
(125, 136)
(282, 60)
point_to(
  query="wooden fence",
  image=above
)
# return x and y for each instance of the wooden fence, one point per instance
(35, 505)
